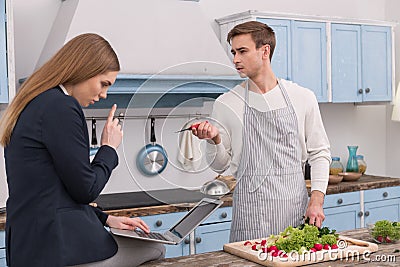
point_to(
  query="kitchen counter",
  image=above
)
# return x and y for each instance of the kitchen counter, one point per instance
(387, 255)
(366, 182)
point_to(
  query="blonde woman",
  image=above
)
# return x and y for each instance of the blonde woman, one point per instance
(50, 178)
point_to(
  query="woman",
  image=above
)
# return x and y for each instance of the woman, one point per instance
(50, 178)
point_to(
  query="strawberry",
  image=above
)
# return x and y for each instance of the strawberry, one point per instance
(247, 243)
(276, 253)
(334, 246)
(318, 246)
(283, 255)
(264, 249)
(379, 239)
(263, 242)
(327, 247)
(254, 247)
(272, 248)
(388, 240)
(313, 249)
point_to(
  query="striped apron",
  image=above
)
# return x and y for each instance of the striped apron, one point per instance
(270, 192)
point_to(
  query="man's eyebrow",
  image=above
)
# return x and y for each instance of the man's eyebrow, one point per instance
(238, 49)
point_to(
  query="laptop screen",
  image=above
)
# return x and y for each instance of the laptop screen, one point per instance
(193, 219)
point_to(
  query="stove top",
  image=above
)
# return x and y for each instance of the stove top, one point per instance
(149, 198)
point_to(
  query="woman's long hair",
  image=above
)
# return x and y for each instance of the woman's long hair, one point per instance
(82, 58)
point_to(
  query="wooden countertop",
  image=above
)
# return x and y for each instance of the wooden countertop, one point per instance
(366, 182)
(390, 253)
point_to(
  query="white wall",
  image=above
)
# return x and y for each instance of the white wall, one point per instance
(367, 126)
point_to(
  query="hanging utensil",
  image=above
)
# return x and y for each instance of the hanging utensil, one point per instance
(195, 126)
(93, 145)
(152, 159)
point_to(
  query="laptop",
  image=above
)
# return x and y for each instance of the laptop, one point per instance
(199, 213)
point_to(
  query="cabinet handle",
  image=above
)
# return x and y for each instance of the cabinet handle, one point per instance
(367, 90)
(198, 239)
(340, 201)
(224, 215)
(360, 91)
(385, 194)
(158, 223)
(360, 214)
(367, 213)
(187, 240)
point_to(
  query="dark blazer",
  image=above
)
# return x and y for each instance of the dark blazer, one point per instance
(51, 182)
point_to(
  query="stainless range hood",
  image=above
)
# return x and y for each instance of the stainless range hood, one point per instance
(149, 36)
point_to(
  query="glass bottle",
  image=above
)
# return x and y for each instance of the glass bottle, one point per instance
(336, 166)
(362, 165)
(352, 164)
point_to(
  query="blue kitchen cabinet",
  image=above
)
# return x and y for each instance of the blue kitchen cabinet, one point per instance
(212, 237)
(3, 54)
(2, 249)
(213, 233)
(342, 211)
(300, 53)
(282, 57)
(309, 64)
(376, 63)
(161, 223)
(361, 63)
(382, 204)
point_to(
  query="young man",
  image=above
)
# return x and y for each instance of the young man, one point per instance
(266, 129)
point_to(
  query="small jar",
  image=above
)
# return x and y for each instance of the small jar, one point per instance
(362, 165)
(336, 166)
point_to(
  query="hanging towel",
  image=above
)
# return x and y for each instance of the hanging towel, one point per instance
(396, 107)
(189, 154)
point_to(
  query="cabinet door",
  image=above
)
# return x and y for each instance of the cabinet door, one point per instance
(346, 63)
(3, 54)
(382, 210)
(281, 59)
(376, 63)
(309, 65)
(343, 218)
(212, 237)
(2, 249)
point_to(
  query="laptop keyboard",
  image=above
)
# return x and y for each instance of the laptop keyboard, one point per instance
(151, 235)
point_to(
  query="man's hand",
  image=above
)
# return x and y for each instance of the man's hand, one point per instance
(315, 211)
(127, 223)
(207, 131)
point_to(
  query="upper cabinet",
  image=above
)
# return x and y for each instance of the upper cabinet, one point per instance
(341, 61)
(3, 54)
(300, 53)
(361, 63)
(309, 57)
(282, 57)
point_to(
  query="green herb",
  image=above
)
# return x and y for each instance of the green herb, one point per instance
(385, 230)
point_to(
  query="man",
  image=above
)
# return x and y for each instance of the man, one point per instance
(266, 129)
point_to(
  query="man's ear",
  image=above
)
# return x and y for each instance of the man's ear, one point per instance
(266, 50)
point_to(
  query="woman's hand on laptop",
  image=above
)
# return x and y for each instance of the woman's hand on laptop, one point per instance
(127, 223)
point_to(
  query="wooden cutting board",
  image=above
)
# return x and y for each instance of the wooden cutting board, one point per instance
(351, 248)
